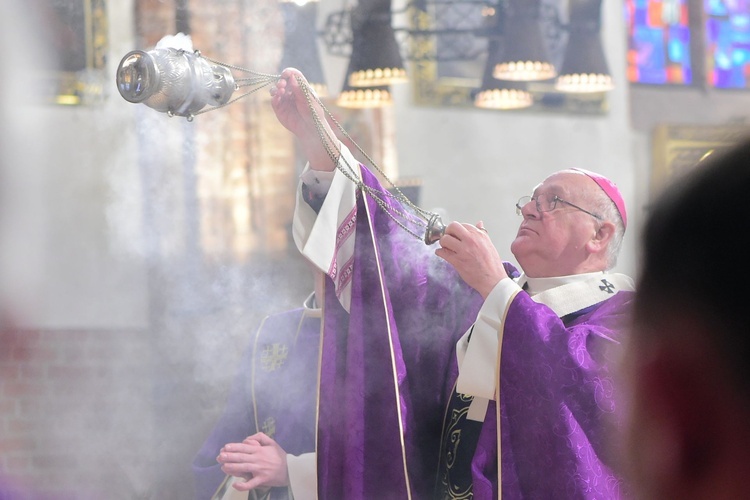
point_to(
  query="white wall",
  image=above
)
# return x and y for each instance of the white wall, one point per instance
(73, 270)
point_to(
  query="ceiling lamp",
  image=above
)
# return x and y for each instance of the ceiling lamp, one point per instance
(364, 97)
(376, 59)
(525, 56)
(584, 68)
(500, 94)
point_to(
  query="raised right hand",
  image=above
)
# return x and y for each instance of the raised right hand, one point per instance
(292, 109)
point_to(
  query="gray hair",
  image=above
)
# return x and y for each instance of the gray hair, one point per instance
(603, 206)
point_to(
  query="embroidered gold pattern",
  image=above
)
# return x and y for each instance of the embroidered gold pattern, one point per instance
(269, 427)
(451, 442)
(273, 356)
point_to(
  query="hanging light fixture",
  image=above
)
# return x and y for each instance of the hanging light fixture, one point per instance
(376, 59)
(525, 56)
(364, 97)
(376, 96)
(300, 43)
(494, 93)
(502, 94)
(584, 68)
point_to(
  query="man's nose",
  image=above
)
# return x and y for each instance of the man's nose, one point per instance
(529, 211)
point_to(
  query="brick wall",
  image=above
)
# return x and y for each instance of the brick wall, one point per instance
(74, 407)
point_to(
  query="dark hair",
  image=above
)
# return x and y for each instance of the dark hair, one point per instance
(695, 256)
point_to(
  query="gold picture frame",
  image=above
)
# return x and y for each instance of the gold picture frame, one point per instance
(677, 149)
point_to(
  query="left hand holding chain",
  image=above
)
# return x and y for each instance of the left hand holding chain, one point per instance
(469, 249)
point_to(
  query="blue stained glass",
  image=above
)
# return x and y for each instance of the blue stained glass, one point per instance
(680, 34)
(650, 43)
(741, 22)
(712, 28)
(723, 60)
(640, 17)
(677, 51)
(715, 8)
(740, 57)
(741, 37)
(659, 53)
(728, 42)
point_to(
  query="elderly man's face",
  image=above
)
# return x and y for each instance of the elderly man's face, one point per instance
(553, 243)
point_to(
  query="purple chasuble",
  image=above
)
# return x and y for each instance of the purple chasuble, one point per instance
(557, 404)
(274, 392)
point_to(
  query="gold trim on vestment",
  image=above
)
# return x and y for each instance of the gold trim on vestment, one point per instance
(320, 371)
(252, 374)
(222, 488)
(500, 335)
(390, 345)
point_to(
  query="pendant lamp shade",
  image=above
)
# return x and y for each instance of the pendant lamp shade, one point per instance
(365, 97)
(525, 56)
(500, 94)
(376, 59)
(584, 68)
(374, 96)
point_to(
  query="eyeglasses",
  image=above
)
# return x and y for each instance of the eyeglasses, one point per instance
(546, 203)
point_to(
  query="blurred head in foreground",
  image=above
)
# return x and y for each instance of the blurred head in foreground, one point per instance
(687, 370)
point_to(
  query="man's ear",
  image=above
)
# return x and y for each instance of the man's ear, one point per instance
(600, 241)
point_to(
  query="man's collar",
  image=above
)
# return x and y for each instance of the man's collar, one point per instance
(311, 307)
(537, 285)
(579, 294)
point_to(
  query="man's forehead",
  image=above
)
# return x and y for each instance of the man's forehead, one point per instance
(560, 182)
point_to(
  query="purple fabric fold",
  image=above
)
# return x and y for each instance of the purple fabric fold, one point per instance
(558, 406)
(384, 364)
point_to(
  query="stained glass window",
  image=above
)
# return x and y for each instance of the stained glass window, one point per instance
(659, 42)
(728, 43)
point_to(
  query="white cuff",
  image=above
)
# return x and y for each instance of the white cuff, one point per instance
(327, 238)
(317, 181)
(303, 479)
(477, 359)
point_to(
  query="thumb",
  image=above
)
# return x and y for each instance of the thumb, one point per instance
(252, 441)
(263, 439)
(248, 485)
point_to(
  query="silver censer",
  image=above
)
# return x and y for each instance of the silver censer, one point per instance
(173, 81)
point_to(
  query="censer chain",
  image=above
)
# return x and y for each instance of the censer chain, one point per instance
(335, 155)
(422, 215)
(266, 79)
